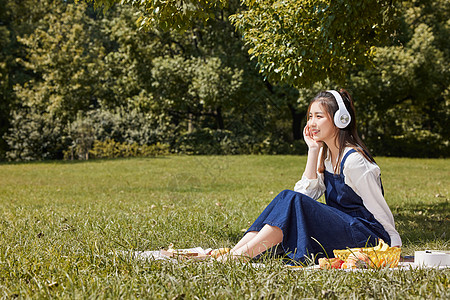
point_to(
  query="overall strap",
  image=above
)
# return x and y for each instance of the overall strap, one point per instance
(345, 158)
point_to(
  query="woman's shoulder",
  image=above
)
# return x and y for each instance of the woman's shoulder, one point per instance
(358, 163)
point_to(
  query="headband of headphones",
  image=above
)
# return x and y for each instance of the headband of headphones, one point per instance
(342, 117)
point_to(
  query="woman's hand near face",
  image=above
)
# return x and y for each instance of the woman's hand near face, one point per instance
(313, 153)
(309, 140)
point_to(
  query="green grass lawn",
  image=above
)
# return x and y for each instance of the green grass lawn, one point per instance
(62, 224)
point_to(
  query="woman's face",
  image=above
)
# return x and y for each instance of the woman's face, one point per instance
(320, 124)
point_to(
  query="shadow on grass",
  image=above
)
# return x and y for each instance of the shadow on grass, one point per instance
(423, 222)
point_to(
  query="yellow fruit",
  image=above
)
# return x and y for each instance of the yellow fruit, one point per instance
(349, 265)
(218, 252)
(330, 263)
(379, 256)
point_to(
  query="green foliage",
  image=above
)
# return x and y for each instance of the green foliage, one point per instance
(198, 91)
(66, 59)
(303, 42)
(296, 42)
(197, 87)
(404, 100)
(207, 141)
(121, 125)
(16, 19)
(170, 14)
(35, 136)
(112, 149)
(116, 129)
(83, 135)
(126, 77)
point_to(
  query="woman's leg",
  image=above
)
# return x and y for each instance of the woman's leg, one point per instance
(265, 239)
(245, 239)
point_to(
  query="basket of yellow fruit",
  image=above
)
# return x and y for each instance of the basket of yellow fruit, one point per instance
(379, 256)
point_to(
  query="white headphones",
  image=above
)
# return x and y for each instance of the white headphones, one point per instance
(342, 117)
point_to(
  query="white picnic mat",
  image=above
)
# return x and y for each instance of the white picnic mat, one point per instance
(401, 266)
(156, 255)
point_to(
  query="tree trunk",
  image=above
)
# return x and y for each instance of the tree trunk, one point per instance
(219, 118)
(297, 118)
(190, 125)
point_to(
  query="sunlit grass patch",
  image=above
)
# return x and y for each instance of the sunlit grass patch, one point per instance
(62, 225)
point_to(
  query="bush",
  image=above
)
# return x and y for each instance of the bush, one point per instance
(112, 149)
(121, 125)
(106, 134)
(207, 141)
(125, 133)
(420, 143)
(35, 136)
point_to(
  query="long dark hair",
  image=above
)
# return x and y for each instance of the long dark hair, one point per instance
(346, 137)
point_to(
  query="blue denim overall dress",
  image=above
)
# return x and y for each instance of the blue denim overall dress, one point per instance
(309, 226)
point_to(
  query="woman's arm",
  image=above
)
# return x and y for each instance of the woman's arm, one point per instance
(364, 178)
(313, 154)
(311, 183)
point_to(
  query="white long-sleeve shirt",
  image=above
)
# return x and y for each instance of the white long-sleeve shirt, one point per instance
(363, 177)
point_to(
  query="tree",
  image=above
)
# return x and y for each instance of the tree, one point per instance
(197, 87)
(66, 60)
(128, 60)
(296, 42)
(404, 99)
(303, 42)
(15, 19)
(169, 14)
(198, 90)
(34, 135)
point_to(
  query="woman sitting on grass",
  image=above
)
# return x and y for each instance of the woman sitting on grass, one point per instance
(339, 165)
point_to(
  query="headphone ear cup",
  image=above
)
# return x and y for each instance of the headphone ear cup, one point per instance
(341, 120)
(342, 117)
